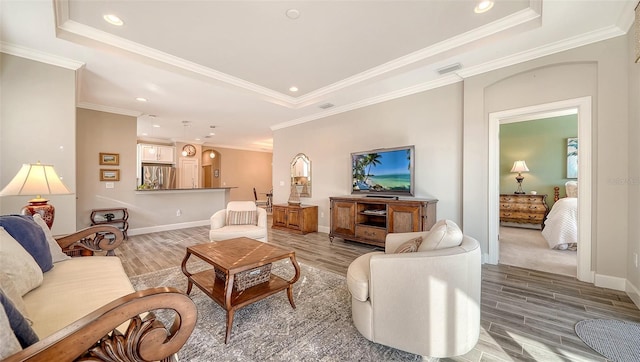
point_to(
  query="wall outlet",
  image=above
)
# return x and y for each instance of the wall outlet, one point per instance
(109, 185)
(281, 183)
(179, 212)
(322, 214)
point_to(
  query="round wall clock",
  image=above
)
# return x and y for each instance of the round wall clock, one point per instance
(189, 150)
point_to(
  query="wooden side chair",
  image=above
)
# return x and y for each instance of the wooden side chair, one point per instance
(265, 204)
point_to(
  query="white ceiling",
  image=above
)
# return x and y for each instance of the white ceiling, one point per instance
(230, 64)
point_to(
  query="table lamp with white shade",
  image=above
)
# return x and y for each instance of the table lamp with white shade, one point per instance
(36, 179)
(519, 166)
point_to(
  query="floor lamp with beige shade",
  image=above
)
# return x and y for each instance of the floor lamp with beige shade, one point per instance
(36, 179)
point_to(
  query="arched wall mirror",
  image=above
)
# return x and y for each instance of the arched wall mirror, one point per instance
(301, 174)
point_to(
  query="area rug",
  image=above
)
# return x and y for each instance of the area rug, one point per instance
(614, 339)
(319, 329)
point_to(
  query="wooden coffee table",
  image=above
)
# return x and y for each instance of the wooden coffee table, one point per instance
(232, 257)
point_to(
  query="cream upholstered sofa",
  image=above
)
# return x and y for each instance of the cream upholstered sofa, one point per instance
(59, 308)
(240, 218)
(426, 301)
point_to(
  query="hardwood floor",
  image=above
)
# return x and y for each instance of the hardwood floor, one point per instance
(526, 315)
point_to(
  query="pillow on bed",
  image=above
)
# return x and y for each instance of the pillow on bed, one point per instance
(571, 188)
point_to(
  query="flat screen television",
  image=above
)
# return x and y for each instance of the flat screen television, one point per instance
(388, 171)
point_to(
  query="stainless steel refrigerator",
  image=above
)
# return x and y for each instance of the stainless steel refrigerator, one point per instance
(159, 176)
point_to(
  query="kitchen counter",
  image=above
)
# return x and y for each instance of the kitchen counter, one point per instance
(161, 210)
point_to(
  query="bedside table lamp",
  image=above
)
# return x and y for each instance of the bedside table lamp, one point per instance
(36, 179)
(519, 167)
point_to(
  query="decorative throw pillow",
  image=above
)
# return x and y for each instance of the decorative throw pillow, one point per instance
(30, 236)
(242, 217)
(444, 234)
(8, 342)
(18, 265)
(55, 249)
(9, 288)
(409, 246)
(20, 326)
(571, 188)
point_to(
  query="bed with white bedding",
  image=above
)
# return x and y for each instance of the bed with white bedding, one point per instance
(561, 226)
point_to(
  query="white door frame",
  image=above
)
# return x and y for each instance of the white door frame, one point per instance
(583, 107)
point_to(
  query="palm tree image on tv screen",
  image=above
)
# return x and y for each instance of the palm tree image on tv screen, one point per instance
(382, 172)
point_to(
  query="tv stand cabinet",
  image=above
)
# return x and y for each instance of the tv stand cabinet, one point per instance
(368, 220)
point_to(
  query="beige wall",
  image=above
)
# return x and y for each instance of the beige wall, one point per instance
(633, 272)
(244, 170)
(148, 211)
(111, 133)
(600, 71)
(432, 121)
(450, 131)
(37, 123)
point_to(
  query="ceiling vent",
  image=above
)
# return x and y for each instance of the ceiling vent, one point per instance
(449, 68)
(326, 105)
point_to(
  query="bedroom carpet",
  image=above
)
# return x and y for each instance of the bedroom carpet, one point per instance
(527, 248)
(319, 329)
(619, 341)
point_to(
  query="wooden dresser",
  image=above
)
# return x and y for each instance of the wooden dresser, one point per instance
(301, 219)
(523, 210)
(368, 220)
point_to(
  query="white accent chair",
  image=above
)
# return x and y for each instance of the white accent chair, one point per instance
(221, 231)
(425, 302)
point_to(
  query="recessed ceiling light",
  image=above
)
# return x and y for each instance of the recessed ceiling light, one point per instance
(211, 134)
(293, 89)
(113, 20)
(145, 134)
(293, 14)
(483, 6)
(140, 99)
(156, 126)
(197, 139)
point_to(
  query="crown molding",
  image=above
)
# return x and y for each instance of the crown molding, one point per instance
(628, 16)
(65, 24)
(557, 47)
(101, 108)
(513, 20)
(440, 82)
(40, 56)
(77, 29)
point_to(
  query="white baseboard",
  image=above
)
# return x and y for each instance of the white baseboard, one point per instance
(155, 229)
(615, 283)
(633, 292)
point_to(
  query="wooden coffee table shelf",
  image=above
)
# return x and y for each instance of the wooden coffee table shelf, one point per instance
(232, 257)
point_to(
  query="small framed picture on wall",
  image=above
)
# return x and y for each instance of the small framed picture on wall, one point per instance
(109, 175)
(109, 159)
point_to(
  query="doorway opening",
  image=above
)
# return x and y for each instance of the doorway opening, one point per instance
(537, 149)
(583, 108)
(211, 161)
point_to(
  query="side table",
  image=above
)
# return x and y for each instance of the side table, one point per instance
(116, 216)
